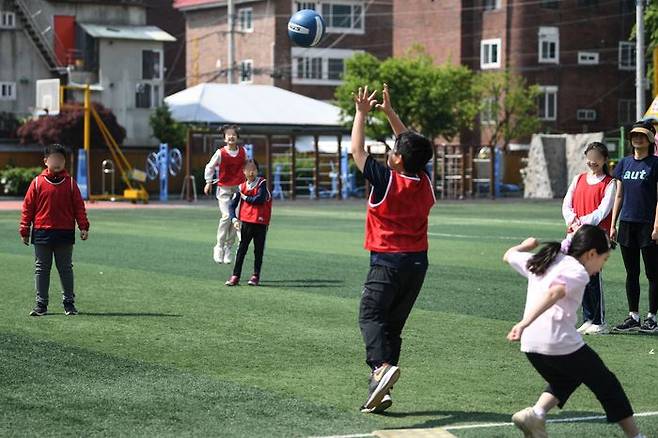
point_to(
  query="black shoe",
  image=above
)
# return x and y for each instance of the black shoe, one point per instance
(649, 326)
(629, 325)
(381, 381)
(70, 309)
(39, 310)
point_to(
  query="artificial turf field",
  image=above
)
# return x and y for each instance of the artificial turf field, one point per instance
(163, 348)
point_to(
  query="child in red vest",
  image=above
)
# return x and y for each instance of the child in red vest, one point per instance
(230, 160)
(589, 201)
(396, 236)
(250, 210)
(52, 206)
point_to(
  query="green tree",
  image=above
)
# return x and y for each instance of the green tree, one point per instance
(166, 129)
(508, 105)
(433, 100)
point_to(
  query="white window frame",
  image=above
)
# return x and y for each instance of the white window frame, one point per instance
(630, 45)
(485, 49)
(586, 114)
(11, 86)
(549, 35)
(486, 8)
(5, 18)
(325, 55)
(547, 90)
(299, 5)
(241, 17)
(156, 93)
(351, 30)
(161, 76)
(250, 63)
(588, 58)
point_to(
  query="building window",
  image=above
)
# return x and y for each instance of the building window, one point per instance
(490, 53)
(585, 115)
(7, 20)
(319, 66)
(626, 55)
(247, 71)
(588, 58)
(626, 111)
(490, 5)
(306, 5)
(550, 4)
(245, 18)
(151, 64)
(143, 96)
(547, 103)
(343, 17)
(549, 45)
(309, 68)
(7, 90)
(488, 115)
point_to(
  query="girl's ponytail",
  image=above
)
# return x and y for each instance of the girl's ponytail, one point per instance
(544, 258)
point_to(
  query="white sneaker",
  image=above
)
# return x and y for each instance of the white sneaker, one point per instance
(218, 254)
(594, 329)
(531, 425)
(227, 255)
(583, 328)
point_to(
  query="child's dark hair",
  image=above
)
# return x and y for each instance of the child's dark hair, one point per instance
(601, 149)
(415, 150)
(252, 161)
(586, 238)
(222, 129)
(54, 149)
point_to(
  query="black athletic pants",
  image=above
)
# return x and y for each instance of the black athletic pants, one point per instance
(249, 232)
(565, 373)
(386, 301)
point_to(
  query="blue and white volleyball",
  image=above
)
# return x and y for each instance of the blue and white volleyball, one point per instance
(306, 28)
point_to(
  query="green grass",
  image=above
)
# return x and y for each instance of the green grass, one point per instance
(162, 348)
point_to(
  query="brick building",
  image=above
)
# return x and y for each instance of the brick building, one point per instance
(264, 54)
(577, 51)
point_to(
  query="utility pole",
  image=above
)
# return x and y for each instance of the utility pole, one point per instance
(231, 40)
(640, 92)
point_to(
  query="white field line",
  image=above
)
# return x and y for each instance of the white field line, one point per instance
(488, 425)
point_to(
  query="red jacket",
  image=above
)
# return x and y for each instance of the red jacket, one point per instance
(53, 202)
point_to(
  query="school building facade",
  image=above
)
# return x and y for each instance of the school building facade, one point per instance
(577, 51)
(263, 53)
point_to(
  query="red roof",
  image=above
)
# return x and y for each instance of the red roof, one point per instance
(181, 4)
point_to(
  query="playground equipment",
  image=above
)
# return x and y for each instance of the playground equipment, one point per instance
(164, 163)
(108, 169)
(50, 100)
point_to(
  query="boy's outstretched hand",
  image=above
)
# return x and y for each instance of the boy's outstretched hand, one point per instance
(363, 101)
(26, 240)
(84, 234)
(385, 106)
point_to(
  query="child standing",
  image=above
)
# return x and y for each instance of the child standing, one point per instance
(589, 201)
(52, 206)
(230, 160)
(557, 276)
(396, 236)
(250, 212)
(635, 206)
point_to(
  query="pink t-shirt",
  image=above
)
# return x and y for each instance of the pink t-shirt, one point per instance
(554, 332)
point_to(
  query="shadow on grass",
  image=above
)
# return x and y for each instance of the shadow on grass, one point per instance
(137, 314)
(455, 418)
(302, 283)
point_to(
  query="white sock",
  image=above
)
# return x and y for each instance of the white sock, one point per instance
(651, 316)
(634, 315)
(539, 411)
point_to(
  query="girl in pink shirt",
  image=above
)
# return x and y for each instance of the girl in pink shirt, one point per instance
(557, 275)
